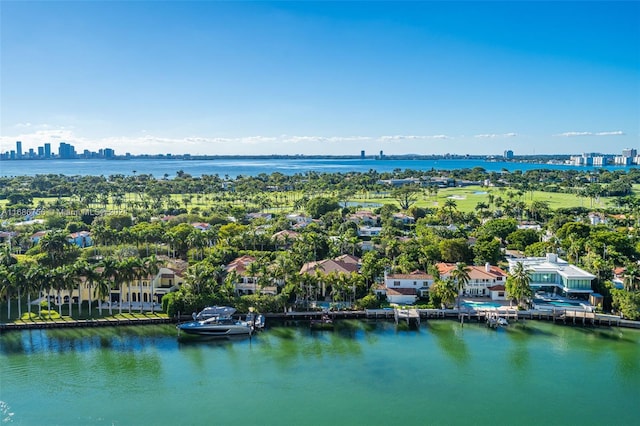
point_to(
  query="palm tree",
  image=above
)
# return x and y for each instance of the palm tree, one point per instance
(18, 276)
(198, 277)
(630, 279)
(110, 274)
(57, 281)
(91, 276)
(30, 284)
(128, 273)
(461, 277)
(151, 267)
(37, 277)
(445, 290)
(5, 287)
(6, 258)
(71, 281)
(55, 245)
(518, 283)
(7, 278)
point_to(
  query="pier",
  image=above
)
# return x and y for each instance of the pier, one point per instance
(412, 315)
(102, 322)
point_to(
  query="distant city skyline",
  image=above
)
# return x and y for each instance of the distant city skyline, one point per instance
(321, 78)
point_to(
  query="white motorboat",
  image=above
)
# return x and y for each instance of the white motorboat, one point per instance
(217, 321)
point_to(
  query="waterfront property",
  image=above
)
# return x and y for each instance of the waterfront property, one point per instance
(247, 281)
(481, 278)
(555, 276)
(342, 265)
(405, 289)
(139, 292)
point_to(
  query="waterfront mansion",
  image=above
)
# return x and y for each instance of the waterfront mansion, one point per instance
(553, 275)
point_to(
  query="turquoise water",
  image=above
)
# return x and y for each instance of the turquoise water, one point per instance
(481, 305)
(252, 167)
(360, 374)
(572, 304)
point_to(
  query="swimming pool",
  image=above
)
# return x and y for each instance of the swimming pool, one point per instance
(546, 303)
(481, 305)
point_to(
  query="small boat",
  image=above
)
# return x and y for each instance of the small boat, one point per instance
(324, 323)
(217, 321)
(495, 321)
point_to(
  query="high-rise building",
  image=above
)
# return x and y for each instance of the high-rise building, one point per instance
(109, 153)
(18, 149)
(629, 152)
(508, 154)
(41, 151)
(47, 150)
(66, 150)
(362, 154)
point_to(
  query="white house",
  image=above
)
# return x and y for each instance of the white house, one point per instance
(369, 231)
(497, 292)
(550, 274)
(405, 289)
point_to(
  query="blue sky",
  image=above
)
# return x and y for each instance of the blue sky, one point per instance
(307, 77)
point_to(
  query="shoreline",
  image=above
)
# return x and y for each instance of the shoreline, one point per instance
(560, 317)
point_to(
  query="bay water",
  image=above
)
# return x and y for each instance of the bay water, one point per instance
(361, 373)
(233, 167)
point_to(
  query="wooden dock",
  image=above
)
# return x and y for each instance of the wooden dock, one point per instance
(411, 316)
(564, 316)
(102, 322)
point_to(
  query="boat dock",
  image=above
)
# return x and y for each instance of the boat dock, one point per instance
(411, 316)
(563, 316)
(102, 322)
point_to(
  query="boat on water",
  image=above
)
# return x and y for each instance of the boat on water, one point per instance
(495, 321)
(324, 323)
(218, 321)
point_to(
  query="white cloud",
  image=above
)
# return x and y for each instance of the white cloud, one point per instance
(496, 135)
(615, 133)
(572, 134)
(411, 137)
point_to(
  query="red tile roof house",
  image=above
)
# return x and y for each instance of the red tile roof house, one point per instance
(247, 284)
(284, 239)
(345, 264)
(480, 278)
(201, 226)
(405, 289)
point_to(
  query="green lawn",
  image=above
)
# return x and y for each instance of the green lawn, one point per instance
(468, 197)
(95, 313)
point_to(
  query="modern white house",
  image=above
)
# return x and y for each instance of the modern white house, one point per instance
(550, 274)
(405, 289)
(369, 231)
(299, 220)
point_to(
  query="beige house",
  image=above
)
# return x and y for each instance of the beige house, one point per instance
(480, 278)
(247, 283)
